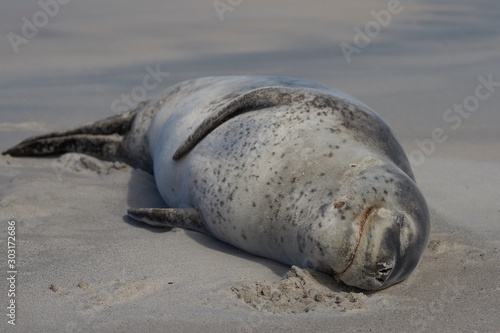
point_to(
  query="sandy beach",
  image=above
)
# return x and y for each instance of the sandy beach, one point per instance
(431, 70)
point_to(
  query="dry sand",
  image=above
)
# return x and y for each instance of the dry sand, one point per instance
(84, 266)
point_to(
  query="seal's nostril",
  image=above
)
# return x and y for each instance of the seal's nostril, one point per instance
(385, 271)
(383, 274)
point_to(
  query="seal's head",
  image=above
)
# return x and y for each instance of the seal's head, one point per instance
(393, 227)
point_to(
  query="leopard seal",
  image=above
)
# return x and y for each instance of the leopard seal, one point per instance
(283, 168)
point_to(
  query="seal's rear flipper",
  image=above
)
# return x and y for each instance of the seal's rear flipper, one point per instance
(170, 218)
(102, 139)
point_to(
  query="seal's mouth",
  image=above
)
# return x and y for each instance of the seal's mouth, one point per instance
(365, 216)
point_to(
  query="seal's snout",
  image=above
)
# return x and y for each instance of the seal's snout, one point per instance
(376, 256)
(389, 249)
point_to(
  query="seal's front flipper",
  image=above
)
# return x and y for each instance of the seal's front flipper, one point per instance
(102, 139)
(256, 99)
(170, 218)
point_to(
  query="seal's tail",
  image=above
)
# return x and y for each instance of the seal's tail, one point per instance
(103, 139)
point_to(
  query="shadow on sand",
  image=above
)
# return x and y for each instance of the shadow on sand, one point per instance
(142, 192)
